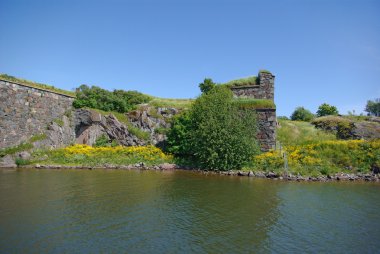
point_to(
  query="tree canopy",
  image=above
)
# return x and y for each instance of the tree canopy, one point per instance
(302, 114)
(326, 110)
(215, 132)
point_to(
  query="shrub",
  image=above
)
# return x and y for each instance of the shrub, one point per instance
(302, 114)
(326, 110)
(98, 98)
(218, 134)
(21, 162)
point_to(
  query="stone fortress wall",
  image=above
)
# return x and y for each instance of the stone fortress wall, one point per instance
(266, 117)
(27, 111)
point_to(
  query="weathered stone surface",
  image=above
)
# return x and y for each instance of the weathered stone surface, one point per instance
(152, 119)
(26, 111)
(88, 128)
(266, 118)
(366, 130)
(23, 155)
(7, 162)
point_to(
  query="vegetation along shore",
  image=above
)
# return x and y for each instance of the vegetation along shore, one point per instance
(231, 129)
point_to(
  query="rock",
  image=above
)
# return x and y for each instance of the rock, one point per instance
(243, 173)
(23, 155)
(7, 162)
(259, 174)
(167, 166)
(251, 174)
(271, 175)
(375, 168)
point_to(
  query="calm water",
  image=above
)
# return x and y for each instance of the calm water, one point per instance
(49, 211)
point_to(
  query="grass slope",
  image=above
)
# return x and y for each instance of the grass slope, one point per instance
(36, 85)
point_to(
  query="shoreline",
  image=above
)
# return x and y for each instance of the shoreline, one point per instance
(367, 177)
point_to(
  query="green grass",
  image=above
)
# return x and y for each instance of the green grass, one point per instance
(249, 81)
(36, 85)
(15, 149)
(37, 137)
(248, 103)
(124, 119)
(171, 103)
(300, 133)
(23, 146)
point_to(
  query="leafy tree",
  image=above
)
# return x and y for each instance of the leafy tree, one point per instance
(207, 85)
(373, 107)
(215, 132)
(302, 114)
(326, 110)
(178, 141)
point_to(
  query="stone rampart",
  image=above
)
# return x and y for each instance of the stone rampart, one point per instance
(266, 117)
(26, 111)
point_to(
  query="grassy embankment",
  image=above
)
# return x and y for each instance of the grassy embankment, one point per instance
(36, 85)
(313, 152)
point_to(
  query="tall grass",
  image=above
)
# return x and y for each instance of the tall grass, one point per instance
(171, 103)
(300, 133)
(248, 103)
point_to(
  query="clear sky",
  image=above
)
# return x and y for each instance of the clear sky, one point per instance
(320, 51)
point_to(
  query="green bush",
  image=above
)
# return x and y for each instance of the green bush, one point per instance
(21, 162)
(118, 100)
(215, 132)
(326, 110)
(302, 114)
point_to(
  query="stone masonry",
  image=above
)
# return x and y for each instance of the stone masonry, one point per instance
(26, 111)
(266, 117)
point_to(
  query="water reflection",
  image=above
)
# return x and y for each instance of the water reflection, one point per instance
(160, 212)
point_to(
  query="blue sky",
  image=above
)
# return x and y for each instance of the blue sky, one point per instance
(320, 51)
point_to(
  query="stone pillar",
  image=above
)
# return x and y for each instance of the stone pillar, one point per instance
(266, 83)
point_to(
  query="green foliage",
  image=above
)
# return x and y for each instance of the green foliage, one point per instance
(302, 114)
(249, 81)
(373, 107)
(118, 100)
(36, 85)
(341, 126)
(102, 141)
(37, 137)
(207, 85)
(171, 103)
(218, 134)
(178, 136)
(161, 130)
(248, 103)
(21, 162)
(300, 133)
(15, 149)
(283, 118)
(323, 157)
(326, 110)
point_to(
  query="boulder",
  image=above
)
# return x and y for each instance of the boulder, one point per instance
(7, 162)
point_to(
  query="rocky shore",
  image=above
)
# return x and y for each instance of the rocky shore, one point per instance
(368, 177)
